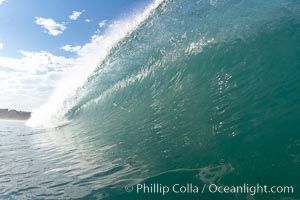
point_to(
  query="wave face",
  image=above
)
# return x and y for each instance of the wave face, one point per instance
(197, 84)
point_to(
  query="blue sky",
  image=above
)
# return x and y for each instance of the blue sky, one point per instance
(39, 40)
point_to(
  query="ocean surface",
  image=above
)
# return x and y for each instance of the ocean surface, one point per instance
(195, 92)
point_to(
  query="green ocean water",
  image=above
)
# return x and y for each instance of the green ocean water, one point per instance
(201, 93)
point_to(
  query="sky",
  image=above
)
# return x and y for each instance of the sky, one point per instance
(40, 41)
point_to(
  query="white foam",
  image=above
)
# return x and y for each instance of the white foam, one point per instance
(51, 114)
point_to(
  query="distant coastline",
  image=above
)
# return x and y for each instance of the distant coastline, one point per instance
(14, 114)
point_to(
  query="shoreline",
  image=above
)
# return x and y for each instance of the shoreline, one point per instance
(7, 114)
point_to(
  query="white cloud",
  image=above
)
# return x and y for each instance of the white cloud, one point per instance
(1, 45)
(88, 20)
(31, 62)
(1, 1)
(25, 91)
(102, 23)
(71, 48)
(52, 27)
(28, 80)
(75, 15)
